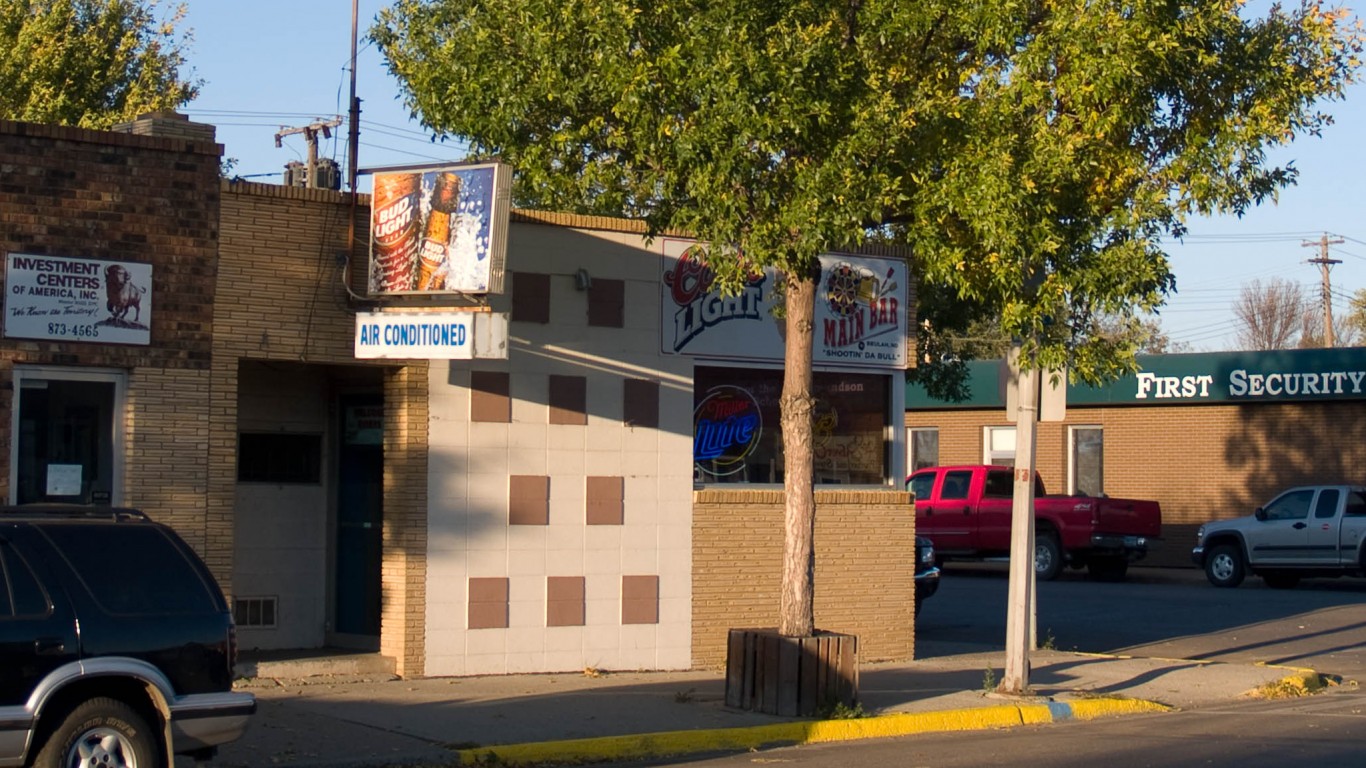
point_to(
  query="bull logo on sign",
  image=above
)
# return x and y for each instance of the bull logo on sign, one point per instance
(122, 295)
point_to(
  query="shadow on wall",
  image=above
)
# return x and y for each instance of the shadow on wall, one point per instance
(1280, 445)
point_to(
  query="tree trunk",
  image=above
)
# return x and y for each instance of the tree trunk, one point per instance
(797, 615)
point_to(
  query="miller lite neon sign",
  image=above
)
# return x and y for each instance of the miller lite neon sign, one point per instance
(727, 426)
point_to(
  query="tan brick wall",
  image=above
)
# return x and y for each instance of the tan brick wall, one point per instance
(865, 568)
(404, 608)
(1201, 462)
(167, 431)
(70, 192)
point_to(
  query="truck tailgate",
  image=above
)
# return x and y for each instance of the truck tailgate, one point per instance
(1131, 517)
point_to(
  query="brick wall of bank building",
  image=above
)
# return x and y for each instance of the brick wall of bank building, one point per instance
(1201, 462)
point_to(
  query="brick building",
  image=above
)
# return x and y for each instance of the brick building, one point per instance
(1208, 435)
(542, 512)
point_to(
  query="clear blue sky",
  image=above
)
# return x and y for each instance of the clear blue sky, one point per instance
(283, 63)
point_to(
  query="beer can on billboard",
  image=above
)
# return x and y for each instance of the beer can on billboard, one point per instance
(394, 220)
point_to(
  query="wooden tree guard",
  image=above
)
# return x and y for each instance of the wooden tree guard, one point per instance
(790, 676)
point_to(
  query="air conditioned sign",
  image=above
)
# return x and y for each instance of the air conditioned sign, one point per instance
(431, 335)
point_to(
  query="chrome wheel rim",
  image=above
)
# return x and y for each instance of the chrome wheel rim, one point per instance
(102, 748)
(1222, 567)
(1043, 558)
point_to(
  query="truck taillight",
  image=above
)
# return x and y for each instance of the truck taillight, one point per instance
(232, 644)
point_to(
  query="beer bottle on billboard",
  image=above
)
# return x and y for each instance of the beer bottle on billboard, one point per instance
(436, 236)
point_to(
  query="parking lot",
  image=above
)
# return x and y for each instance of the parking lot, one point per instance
(1162, 612)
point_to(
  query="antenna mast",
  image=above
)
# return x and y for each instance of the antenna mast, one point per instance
(353, 119)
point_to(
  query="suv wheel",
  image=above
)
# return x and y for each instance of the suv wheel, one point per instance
(100, 733)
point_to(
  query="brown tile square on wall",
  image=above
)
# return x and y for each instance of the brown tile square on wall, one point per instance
(528, 500)
(607, 303)
(639, 599)
(488, 603)
(568, 400)
(605, 501)
(640, 403)
(489, 396)
(564, 606)
(530, 297)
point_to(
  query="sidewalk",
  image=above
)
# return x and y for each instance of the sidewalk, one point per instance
(336, 721)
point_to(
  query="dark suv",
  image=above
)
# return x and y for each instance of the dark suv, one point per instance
(116, 645)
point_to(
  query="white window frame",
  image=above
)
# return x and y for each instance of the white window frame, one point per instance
(1072, 456)
(991, 454)
(910, 445)
(33, 376)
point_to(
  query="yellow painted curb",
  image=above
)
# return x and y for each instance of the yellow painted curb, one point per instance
(668, 743)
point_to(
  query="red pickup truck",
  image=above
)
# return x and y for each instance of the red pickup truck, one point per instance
(966, 512)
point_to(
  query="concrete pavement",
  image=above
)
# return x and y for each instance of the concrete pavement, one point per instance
(374, 720)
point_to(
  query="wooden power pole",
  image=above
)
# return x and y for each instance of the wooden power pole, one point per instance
(1327, 286)
(311, 132)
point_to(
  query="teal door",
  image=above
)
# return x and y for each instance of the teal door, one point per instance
(360, 517)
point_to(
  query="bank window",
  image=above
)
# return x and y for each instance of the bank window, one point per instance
(66, 435)
(1086, 470)
(737, 435)
(999, 443)
(922, 448)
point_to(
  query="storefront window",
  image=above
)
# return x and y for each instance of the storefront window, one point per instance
(65, 436)
(737, 434)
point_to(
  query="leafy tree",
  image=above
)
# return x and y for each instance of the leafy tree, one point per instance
(1030, 152)
(89, 63)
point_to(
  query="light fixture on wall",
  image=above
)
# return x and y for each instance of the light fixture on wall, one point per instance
(582, 280)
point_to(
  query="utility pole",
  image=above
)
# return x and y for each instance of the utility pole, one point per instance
(1020, 591)
(310, 133)
(1327, 287)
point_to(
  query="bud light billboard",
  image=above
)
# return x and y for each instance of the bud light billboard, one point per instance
(439, 230)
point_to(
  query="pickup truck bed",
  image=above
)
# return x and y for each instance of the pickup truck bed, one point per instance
(966, 512)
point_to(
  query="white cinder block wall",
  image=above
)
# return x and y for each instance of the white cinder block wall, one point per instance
(470, 464)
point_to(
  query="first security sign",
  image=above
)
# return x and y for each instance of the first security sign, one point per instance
(431, 335)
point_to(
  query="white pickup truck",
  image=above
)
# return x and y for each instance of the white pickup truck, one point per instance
(1312, 530)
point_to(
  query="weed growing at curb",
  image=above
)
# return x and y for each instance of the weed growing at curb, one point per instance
(840, 711)
(989, 680)
(1050, 643)
(683, 697)
(1291, 687)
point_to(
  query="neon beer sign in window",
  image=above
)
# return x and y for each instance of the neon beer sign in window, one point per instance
(727, 427)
